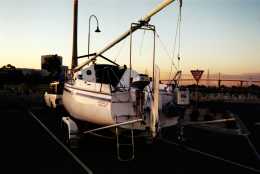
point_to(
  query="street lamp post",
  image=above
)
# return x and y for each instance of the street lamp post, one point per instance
(97, 30)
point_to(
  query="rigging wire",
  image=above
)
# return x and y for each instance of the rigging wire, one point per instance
(120, 50)
(179, 27)
(142, 43)
(174, 48)
(166, 51)
(177, 35)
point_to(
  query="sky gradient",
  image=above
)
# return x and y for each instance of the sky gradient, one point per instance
(222, 36)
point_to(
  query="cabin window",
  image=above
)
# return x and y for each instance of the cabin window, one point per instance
(89, 72)
(109, 74)
(80, 76)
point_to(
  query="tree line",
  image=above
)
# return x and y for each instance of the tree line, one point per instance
(9, 74)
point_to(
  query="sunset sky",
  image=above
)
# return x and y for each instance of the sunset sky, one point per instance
(221, 35)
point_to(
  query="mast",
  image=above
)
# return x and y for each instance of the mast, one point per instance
(142, 22)
(74, 61)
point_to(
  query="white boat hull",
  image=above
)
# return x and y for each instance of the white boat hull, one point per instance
(88, 106)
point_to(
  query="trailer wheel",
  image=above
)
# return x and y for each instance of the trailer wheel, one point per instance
(65, 134)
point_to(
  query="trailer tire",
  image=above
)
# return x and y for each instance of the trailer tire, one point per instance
(65, 134)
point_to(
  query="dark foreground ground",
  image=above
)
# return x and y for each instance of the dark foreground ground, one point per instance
(27, 148)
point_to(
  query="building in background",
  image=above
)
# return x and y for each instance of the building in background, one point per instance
(51, 61)
(52, 64)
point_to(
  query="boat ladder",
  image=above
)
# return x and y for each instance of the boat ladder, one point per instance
(125, 145)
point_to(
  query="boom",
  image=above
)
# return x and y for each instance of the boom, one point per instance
(142, 22)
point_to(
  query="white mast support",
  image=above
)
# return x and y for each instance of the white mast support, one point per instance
(142, 21)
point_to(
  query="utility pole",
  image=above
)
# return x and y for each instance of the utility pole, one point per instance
(219, 81)
(208, 78)
(74, 61)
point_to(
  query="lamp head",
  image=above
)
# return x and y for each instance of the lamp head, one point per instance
(97, 30)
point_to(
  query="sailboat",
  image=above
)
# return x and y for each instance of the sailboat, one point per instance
(110, 95)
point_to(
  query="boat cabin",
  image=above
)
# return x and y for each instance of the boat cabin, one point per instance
(103, 74)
